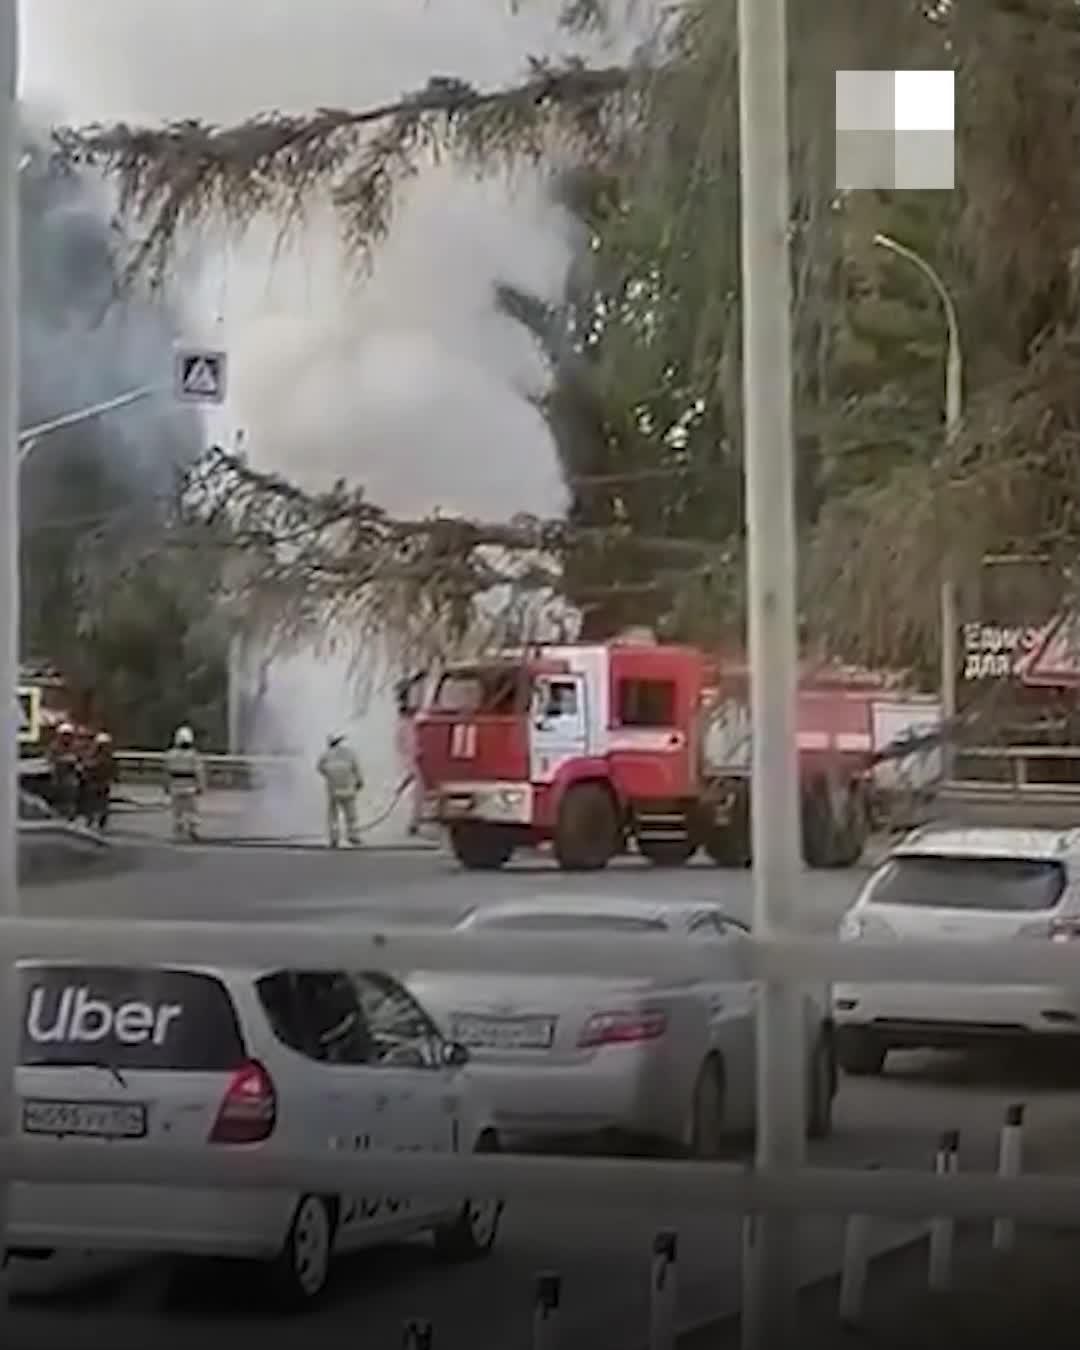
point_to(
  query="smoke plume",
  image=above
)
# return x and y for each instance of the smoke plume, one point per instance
(409, 382)
(78, 349)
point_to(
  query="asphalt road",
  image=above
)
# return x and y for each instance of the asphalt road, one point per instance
(604, 1258)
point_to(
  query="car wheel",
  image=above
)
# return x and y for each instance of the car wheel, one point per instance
(300, 1273)
(474, 1229)
(705, 1127)
(860, 1054)
(819, 1097)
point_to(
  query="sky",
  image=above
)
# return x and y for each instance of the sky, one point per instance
(408, 382)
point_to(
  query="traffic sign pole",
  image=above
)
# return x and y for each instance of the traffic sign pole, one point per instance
(9, 551)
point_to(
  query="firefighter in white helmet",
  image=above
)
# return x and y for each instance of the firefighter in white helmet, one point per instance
(185, 783)
(340, 772)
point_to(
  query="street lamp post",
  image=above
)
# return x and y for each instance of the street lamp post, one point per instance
(772, 1241)
(954, 409)
(29, 439)
(10, 151)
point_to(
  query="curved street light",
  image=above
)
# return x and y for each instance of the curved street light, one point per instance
(29, 438)
(954, 361)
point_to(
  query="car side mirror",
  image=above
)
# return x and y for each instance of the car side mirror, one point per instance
(454, 1055)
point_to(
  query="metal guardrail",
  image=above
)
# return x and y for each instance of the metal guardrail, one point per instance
(222, 771)
(986, 772)
(1033, 772)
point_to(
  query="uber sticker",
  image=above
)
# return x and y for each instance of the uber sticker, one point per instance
(73, 1016)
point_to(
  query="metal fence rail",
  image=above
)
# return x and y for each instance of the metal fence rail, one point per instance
(222, 771)
(1019, 769)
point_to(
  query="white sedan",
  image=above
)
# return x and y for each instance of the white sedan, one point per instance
(275, 1061)
(563, 1056)
(984, 885)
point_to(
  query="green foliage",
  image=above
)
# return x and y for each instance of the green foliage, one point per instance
(645, 354)
(151, 654)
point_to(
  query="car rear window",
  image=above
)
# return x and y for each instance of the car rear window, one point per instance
(572, 923)
(128, 1018)
(1000, 884)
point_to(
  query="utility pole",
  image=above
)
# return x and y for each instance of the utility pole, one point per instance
(771, 1254)
(9, 555)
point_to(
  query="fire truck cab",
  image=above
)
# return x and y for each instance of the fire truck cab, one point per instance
(586, 747)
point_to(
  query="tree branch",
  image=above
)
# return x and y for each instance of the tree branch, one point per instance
(186, 172)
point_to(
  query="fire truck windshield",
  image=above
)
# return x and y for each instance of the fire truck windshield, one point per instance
(500, 690)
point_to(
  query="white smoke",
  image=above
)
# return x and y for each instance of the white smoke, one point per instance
(411, 384)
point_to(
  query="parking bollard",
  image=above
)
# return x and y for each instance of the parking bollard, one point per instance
(546, 1308)
(856, 1265)
(1010, 1162)
(417, 1335)
(942, 1231)
(664, 1291)
(749, 1336)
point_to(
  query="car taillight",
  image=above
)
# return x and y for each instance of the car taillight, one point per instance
(248, 1110)
(622, 1028)
(1065, 930)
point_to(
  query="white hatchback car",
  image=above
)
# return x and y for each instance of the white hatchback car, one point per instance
(989, 884)
(562, 1056)
(285, 1060)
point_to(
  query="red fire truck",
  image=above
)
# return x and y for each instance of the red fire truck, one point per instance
(586, 747)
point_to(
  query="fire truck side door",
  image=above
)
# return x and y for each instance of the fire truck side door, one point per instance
(558, 728)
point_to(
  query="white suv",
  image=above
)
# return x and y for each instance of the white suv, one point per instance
(284, 1060)
(971, 884)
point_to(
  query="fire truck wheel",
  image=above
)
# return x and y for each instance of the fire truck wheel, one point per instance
(820, 1090)
(729, 846)
(851, 839)
(480, 848)
(587, 835)
(835, 824)
(667, 852)
(819, 830)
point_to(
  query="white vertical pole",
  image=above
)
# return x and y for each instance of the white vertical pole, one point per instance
(234, 693)
(1010, 1164)
(664, 1292)
(943, 1230)
(771, 1280)
(950, 625)
(9, 546)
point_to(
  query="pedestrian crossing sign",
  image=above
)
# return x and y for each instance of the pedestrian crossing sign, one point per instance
(28, 707)
(200, 376)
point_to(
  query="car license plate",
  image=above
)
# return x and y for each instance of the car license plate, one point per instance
(505, 1033)
(457, 806)
(88, 1120)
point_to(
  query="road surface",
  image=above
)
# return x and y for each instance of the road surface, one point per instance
(604, 1258)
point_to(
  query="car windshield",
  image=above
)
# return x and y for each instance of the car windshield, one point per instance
(570, 923)
(1001, 884)
(501, 690)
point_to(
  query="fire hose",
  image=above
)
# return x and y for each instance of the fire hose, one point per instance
(387, 811)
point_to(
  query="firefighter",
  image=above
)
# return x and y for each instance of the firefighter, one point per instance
(340, 771)
(185, 782)
(64, 768)
(99, 774)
